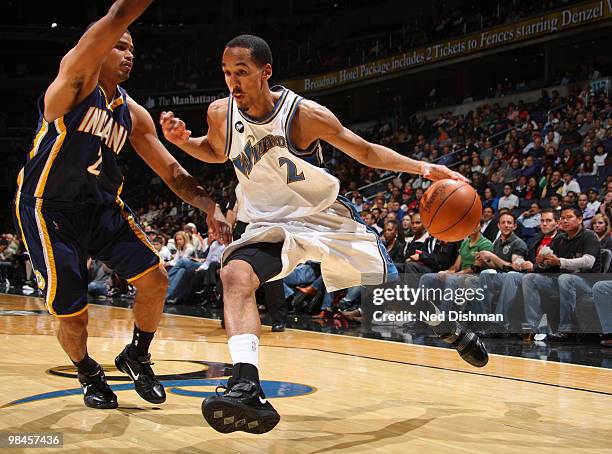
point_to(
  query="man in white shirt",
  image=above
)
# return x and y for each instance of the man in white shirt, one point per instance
(488, 226)
(370, 221)
(508, 200)
(552, 137)
(162, 250)
(569, 184)
(600, 155)
(593, 204)
(358, 202)
(587, 213)
(531, 218)
(215, 250)
(207, 274)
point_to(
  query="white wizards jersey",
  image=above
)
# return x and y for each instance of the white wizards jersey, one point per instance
(275, 178)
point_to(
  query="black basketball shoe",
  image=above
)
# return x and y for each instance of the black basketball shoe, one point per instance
(468, 345)
(96, 392)
(242, 406)
(145, 382)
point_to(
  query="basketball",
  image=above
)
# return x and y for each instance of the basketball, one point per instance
(450, 210)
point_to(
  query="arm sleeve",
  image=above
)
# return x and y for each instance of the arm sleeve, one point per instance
(585, 263)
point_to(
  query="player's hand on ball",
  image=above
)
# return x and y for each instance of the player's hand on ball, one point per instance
(437, 172)
(174, 128)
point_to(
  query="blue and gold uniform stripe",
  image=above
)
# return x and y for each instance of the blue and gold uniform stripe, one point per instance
(111, 105)
(57, 145)
(18, 216)
(139, 234)
(45, 241)
(42, 131)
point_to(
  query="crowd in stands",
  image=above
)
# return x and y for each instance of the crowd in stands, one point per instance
(421, 28)
(543, 171)
(315, 39)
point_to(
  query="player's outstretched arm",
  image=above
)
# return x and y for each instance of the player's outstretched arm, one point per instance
(318, 122)
(152, 151)
(78, 73)
(208, 148)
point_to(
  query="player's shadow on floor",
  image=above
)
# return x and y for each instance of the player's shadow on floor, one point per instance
(113, 424)
(461, 425)
(394, 432)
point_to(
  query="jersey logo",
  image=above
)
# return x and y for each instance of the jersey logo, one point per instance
(252, 153)
(100, 123)
(239, 126)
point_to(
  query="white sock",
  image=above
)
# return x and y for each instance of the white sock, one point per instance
(244, 348)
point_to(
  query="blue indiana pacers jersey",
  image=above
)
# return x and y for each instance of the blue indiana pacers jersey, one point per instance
(73, 159)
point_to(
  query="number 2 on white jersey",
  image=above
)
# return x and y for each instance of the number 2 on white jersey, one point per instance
(292, 171)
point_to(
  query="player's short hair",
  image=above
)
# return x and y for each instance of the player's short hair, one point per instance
(260, 50)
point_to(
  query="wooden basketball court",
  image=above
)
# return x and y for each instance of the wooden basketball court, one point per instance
(337, 393)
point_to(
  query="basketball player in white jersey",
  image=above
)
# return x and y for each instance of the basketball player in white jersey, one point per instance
(271, 135)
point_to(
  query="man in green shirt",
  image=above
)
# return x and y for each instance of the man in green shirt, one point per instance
(461, 273)
(472, 245)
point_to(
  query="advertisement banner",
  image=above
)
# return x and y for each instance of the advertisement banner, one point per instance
(502, 35)
(174, 100)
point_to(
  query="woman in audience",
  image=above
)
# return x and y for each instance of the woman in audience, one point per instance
(533, 189)
(568, 159)
(605, 207)
(588, 166)
(546, 173)
(184, 248)
(601, 226)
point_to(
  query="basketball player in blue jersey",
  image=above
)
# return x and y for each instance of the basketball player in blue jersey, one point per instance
(271, 136)
(68, 204)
